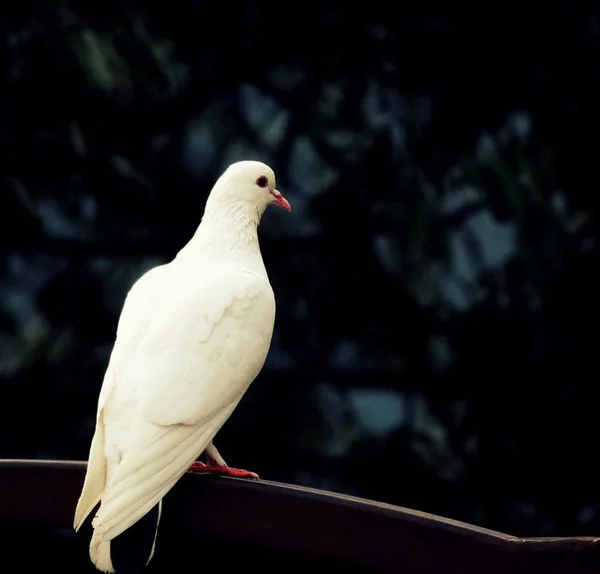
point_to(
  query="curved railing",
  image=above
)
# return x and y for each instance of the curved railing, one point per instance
(295, 524)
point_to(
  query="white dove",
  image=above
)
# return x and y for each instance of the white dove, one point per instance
(192, 336)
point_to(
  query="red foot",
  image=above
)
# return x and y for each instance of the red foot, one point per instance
(201, 468)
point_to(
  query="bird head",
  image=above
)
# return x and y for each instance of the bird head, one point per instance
(251, 184)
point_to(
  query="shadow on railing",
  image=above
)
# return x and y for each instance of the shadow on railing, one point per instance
(215, 522)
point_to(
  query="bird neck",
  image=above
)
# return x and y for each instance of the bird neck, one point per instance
(229, 231)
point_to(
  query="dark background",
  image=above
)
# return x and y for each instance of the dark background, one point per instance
(436, 281)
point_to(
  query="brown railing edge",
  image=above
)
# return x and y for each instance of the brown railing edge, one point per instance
(376, 534)
(291, 489)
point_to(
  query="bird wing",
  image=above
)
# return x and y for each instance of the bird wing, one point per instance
(134, 316)
(190, 369)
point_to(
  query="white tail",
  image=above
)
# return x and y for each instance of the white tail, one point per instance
(100, 553)
(95, 477)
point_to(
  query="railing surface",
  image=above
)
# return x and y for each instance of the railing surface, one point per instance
(214, 521)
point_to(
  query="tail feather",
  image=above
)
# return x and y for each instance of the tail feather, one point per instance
(100, 553)
(155, 533)
(95, 477)
(132, 549)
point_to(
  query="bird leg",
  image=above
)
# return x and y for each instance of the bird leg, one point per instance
(217, 465)
(213, 455)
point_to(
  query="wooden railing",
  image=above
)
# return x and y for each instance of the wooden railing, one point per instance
(215, 521)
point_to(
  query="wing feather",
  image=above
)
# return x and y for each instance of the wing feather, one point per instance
(199, 356)
(189, 366)
(96, 472)
(158, 459)
(133, 320)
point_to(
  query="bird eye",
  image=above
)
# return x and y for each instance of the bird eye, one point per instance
(262, 181)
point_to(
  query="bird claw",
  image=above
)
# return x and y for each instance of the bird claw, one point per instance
(221, 470)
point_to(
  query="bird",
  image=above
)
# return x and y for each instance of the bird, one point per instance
(193, 334)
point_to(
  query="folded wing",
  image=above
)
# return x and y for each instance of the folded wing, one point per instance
(190, 368)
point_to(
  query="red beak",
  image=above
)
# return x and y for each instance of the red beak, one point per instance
(281, 201)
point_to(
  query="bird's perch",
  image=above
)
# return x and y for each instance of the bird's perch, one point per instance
(282, 526)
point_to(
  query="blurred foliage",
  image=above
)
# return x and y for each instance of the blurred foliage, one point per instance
(436, 280)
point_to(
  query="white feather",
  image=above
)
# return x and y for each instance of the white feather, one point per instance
(192, 336)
